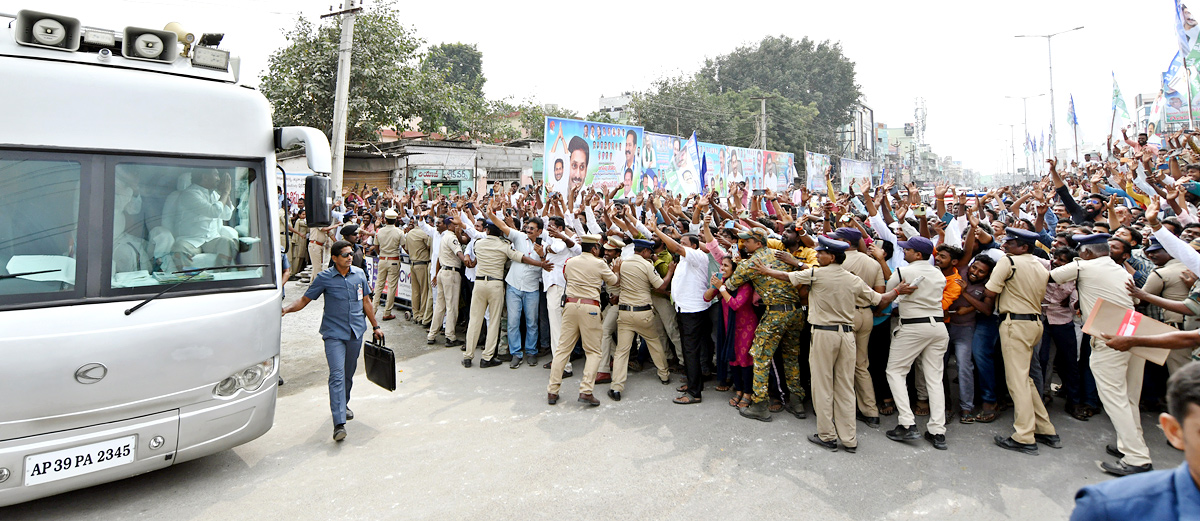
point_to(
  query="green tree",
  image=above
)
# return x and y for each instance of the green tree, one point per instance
(533, 117)
(461, 63)
(803, 72)
(600, 117)
(386, 83)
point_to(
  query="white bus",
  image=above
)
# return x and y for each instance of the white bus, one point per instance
(139, 252)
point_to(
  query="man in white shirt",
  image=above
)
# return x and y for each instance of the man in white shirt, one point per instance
(687, 290)
(557, 250)
(202, 210)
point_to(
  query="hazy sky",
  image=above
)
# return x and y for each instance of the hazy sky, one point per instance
(961, 57)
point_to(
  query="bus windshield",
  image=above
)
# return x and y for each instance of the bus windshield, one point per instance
(136, 222)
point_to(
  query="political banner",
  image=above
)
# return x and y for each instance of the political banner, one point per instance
(779, 168)
(814, 171)
(717, 159)
(688, 179)
(660, 158)
(745, 166)
(854, 173)
(600, 155)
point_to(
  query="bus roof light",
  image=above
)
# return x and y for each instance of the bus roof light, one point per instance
(210, 58)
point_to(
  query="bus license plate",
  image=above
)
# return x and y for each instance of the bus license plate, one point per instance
(76, 461)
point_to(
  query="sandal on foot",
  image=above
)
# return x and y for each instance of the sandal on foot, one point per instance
(681, 389)
(724, 387)
(686, 399)
(888, 409)
(745, 401)
(966, 417)
(737, 398)
(922, 408)
(775, 406)
(986, 415)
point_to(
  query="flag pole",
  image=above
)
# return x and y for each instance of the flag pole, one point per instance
(1187, 70)
(1075, 128)
(1108, 153)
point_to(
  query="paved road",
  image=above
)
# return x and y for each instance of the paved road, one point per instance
(455, 443)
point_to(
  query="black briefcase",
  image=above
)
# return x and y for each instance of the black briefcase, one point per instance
(380, 364)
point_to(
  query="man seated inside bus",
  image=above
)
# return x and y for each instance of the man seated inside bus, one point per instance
(202, 210)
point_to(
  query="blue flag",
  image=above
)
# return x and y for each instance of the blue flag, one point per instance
(1071, 117)
(703, 173)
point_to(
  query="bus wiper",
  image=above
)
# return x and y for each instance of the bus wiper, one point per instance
(15, 275)
(192, 274)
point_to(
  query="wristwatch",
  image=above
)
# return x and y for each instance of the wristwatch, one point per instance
(376, 328)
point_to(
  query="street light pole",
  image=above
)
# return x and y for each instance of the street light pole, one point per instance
(1050, 61)
(1025, 108)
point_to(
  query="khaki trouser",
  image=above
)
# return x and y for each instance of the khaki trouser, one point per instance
(1119, 384)
(422, 310)
(487, 296)
(864, 387)
(318, 255)
(579, 321)
(831, 360)
(642, 323)
(664, 312)
(1017, 338)
(449, 284)
(297, 256)
(928, 342)
(1177, 359)
(389, 272)
(608, 326)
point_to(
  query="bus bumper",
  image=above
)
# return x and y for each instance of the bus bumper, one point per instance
(158, 441)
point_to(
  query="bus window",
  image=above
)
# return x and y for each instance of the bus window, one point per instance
(173, 217)
(39, 216)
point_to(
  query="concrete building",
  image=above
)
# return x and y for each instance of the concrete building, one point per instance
(617, 106)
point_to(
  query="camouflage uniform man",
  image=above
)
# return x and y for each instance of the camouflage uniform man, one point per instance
(779, 327)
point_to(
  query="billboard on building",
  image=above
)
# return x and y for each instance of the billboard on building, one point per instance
(600, 155)
(716, 160)
(779, 168)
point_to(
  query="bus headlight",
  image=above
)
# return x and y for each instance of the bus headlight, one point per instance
(249, 379)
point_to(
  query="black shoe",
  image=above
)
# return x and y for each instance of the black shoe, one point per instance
(551, 398)
(758, 411)
(349, 414)
(466, 362)
(851, 450)
(547, 365)
(1049, 440)
(339, 432)
(902, 433)
(516, 362)
(1121, 469)
(455, 343)
(938, 440)
(505, 358)
(871, 422)
(1013, 445)
(531, 360)
(484, 364)
(568, 374)
(281, 381)
(588, 399)
(1114, 452)
(666, 382)
(463, 348)
(796, 406)
(430, 341)
(615, 395)
(831, 445)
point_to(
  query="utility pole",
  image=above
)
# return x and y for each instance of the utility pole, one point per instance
(342, 90)
(762, 128)
(1050, 62)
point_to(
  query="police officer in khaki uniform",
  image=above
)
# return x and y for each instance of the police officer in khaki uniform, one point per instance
(1017, 286)
(608, 317)
(1166, 282)
(298, 253)
(636, 315)
(388, 238)
(923, 337)
(832, 299)
(419, 244)
(1118, 374)
(318, 248)
(491, 253)
(866, 268)
(450, 263)
(581, 317)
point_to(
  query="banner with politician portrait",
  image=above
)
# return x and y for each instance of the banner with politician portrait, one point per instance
(814, 172)
(745, 166)
(600, 155)
(716, 159)
(779, 168)
(854, 173)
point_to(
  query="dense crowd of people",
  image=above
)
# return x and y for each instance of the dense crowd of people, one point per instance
(876, 301)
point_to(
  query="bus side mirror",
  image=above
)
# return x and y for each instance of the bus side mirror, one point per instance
(316, 146)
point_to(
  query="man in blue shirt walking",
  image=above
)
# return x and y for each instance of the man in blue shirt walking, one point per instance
(343, 324)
